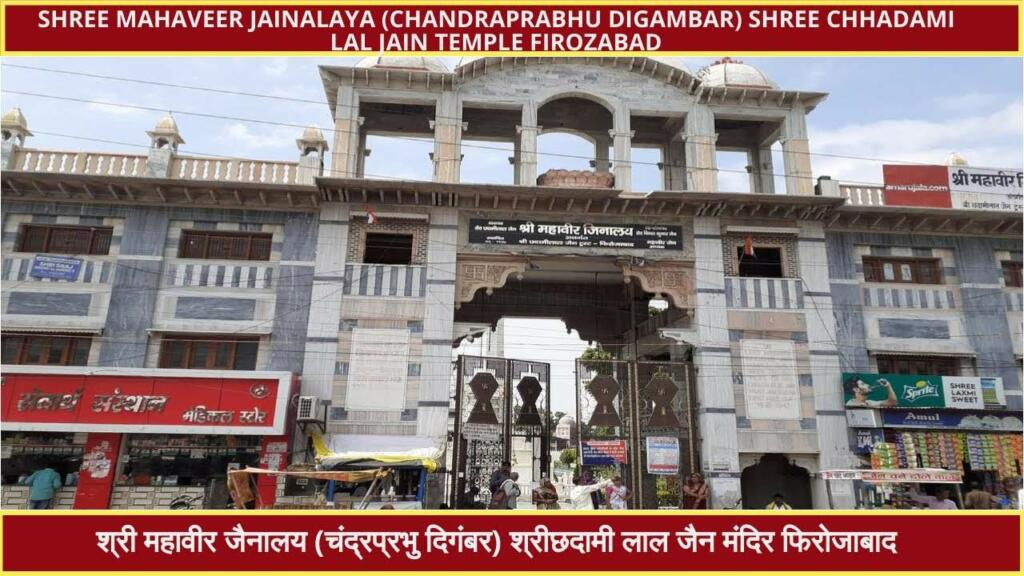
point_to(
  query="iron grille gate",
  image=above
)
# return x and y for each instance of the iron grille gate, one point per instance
(625, 406)
(497, 399)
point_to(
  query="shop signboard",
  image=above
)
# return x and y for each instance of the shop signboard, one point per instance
(96, 476)
(867, 438)
(862, 390)
(63, 399)
(662, 455)
(936, 186)
(915, 475)
(973, 393)
(55, 268)
(952, 420)
(603, 452)
(575, 234)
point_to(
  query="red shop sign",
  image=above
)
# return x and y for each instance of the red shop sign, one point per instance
(144, 400)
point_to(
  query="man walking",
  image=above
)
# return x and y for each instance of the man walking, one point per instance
(43, 485)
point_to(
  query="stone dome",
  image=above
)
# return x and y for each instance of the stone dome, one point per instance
(313, 134)
(14, 119)
(166, 133)
(166, 125)
(417, 63)
(734, 74)
(955, 159)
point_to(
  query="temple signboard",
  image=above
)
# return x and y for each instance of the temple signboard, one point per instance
(575, 234)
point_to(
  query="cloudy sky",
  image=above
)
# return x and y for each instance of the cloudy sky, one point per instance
(898, 109)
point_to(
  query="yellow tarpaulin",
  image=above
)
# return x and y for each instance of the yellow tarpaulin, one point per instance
(241, 489)
(424, 457)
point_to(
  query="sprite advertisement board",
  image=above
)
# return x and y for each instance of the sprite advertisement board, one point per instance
(863, 390)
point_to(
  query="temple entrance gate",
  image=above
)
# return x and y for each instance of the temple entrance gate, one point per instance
(498, 403)
(636, 419)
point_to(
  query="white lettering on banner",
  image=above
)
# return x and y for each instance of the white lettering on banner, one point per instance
(796, 540)
(770, 386)
(135, 403)
(109, 542)
(745, 538)
(260, 542)
(459, 542)
(37, 400)
(384, 543)
(192, 540)
(543, 541)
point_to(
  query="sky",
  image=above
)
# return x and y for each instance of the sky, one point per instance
(879, 109)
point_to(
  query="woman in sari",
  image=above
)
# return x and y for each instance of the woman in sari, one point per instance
(695, 493)
(545, 496)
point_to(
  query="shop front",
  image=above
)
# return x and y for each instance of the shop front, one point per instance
(952, 423)
(126, 438)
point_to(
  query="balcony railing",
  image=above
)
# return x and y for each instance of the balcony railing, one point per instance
(234, 170)
(96, 163)
(182, 167)
(862, 195)
(385, 280)
(764, 293)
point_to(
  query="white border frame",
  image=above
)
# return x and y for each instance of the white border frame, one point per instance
(277, 427)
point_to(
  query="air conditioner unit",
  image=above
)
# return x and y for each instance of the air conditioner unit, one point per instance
(307, 409)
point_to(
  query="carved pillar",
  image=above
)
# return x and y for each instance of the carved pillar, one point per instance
(528, 131)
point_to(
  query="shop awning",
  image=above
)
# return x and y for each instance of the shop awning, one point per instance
(908, 475)
(368, 451)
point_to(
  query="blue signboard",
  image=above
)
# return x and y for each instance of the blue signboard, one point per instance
(867, 438)
(952, 420)
(603, 452)
(56, 267)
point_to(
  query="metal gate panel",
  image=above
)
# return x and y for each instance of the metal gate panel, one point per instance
(481, 434)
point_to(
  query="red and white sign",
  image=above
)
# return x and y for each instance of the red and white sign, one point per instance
(910, 475)
(964, 187)
(60, 399)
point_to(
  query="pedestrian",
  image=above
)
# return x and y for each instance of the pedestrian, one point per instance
(43, 485)
(778, 503)
(582, 491)
(940, 501)
(545, 496)
(499, 476)
(695, 493)
(511, 489)
(978, 498)
(596, 496)
(617, 494)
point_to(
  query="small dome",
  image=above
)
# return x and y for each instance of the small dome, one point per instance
(734, 74)
(166, 133)
(14, 119)
(312, 140)
(955, 159)
(418, 63)
(313, 134)
(166, 125)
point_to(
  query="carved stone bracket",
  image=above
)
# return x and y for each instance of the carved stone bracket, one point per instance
(664, 279)
(478, 271)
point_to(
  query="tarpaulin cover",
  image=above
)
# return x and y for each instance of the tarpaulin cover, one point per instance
(376, 451)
